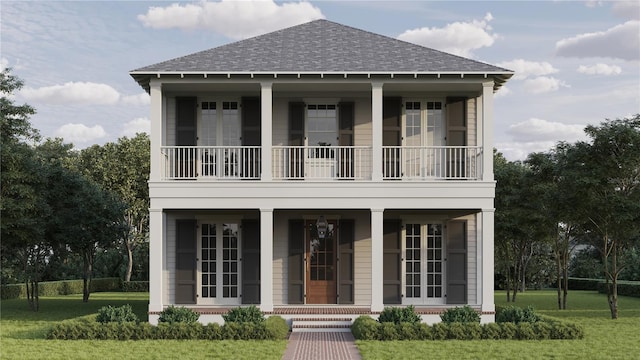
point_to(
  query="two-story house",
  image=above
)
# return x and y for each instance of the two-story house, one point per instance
(321, 169)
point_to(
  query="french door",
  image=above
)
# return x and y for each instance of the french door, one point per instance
(219, 249)
(321, 269)
(422, 133)
(424, 252)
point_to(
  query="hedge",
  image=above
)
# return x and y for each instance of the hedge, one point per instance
(366, 328)
(625, 288)
(63, 287)
(135, 286)
(275, 328)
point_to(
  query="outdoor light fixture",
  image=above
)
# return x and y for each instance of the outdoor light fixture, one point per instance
(321, 226)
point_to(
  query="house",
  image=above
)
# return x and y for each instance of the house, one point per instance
(321, 170)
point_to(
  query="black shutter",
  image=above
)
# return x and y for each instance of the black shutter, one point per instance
(186, 135)
(392, 250)
(392, 135)
(186, 248)
(296, 138)
(346, 155)
(251, 136)
(457, 136)
(250, 262)
(296, 262)
(457, 262)
(346, 236)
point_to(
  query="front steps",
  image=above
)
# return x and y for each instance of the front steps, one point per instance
(321, 324)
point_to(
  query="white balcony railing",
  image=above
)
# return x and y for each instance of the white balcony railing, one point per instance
(321, 162)
(421, 163)
(218, 162)
(432, 162)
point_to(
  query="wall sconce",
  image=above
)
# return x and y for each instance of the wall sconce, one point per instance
(322, 226)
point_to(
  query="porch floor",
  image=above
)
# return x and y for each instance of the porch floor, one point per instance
(321, 346)
(327, 310)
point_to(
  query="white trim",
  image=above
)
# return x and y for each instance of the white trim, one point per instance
(377, 259)
(266, 113)
(377, 130)
(157, 260)
(266, 259)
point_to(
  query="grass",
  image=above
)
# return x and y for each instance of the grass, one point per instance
(22, 334)
(604, 338)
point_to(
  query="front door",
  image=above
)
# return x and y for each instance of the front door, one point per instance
(321, 267)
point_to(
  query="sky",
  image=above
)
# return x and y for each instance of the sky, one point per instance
(576, 63)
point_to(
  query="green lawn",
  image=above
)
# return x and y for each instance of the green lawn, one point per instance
(604, 338)
(22, 334)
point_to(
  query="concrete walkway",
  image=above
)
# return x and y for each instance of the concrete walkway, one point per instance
(321, 346)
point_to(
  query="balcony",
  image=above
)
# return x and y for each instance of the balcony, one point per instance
(322, 163)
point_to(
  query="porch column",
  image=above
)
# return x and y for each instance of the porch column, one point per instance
(266, 97)
(376, 125)
(487, 240)
(377, 257)
(266, 259)
(156, 129)
(487, 131)
(156, 261)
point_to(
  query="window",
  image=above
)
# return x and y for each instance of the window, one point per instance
(322, 127)
(423, 249)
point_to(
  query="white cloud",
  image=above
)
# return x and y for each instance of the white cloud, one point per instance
(513, 151)
(73, 93)
(504, 91)
(140, 99)
(135, 126)
(626, 9)
(234, 19)
(543, 84)
(538, 130)
(600, 69)
(80, 133)
(459, 38)
(524, 69)
(619, 42)
(4, 63)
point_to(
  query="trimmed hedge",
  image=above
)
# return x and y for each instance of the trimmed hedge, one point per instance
(275, 328)
(625, 288)
(63, 287)
(365, 328)
(135, 286)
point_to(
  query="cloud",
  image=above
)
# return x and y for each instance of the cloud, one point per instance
(538, 130)
(4, 63)
(543, 84)
(459, 38)
(504, 91)
(80, 133)
(524, 69)
(234, 19)
(600, 69)
(140, 99)
(73, 93)
(513, 151)
(626, 9)
(135, 126)
(619, 42)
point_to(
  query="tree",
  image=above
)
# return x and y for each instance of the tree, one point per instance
(607, 182)
(123, 168)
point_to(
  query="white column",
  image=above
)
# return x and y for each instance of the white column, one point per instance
(488, 303)
(266, 96)
(376, 128)
(156, 261)
(487, 131)
(377, 257)
(156, 128)
(266, 259)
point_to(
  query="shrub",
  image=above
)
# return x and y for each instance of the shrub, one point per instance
(517, 315)
(276, 327)
(135, 286)
(456, 331)
(526, 331)
(491, 331)
(464, 314)
(250, 314)
(212, 331)
(423, 332)
(174, 314)
(231, 331)
(408, 331)
(104, 284)
(365, 328)
(439, 331)
(12, 291)
(474, 331)
(62, 287)
(398, 315)
(389, 331)
(118, 314)
(508, 331)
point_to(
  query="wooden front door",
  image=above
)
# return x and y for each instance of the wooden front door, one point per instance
(321, 270)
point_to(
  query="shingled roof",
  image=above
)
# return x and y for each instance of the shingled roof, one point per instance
(321, 46)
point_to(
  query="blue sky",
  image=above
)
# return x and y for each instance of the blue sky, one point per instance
(576, 62)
